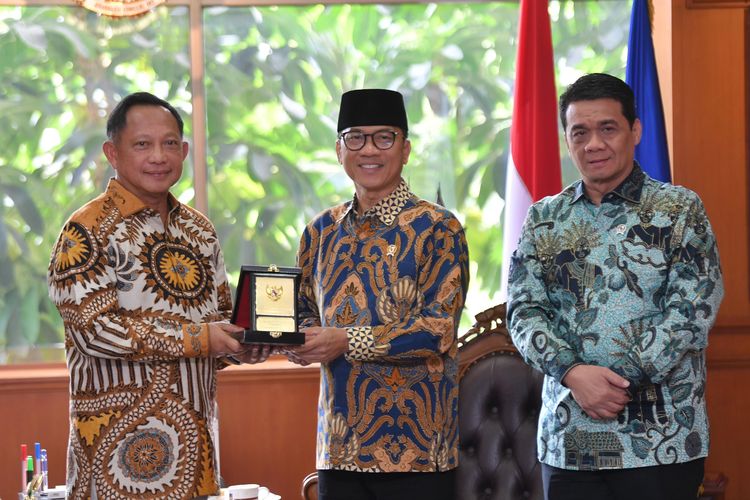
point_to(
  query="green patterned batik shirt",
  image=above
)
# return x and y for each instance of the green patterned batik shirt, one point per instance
(633, 285)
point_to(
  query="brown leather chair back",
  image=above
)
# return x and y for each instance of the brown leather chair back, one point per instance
(498, 410)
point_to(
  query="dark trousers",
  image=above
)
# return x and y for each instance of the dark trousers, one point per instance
(345, 485)
(661, 482)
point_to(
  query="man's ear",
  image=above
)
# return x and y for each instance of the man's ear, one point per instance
(637, 131)
(405, 152)
(110, 151)
(338, 151)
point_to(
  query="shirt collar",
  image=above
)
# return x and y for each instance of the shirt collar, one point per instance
(387, 209)
(630, 189)
(128, 203)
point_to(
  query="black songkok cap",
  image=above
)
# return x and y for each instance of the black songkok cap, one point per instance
(372, 107)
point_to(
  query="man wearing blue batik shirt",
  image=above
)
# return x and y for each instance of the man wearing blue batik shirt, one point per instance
(384, 277)
(612, 291)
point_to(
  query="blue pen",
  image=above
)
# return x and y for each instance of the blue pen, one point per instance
(38, 457)
(44, 469)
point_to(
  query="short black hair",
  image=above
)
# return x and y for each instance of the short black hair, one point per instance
(118, 118)
(599, 86)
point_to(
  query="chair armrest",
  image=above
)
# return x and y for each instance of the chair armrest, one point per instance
(310, 487)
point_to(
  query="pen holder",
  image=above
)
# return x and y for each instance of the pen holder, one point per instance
(33, 489)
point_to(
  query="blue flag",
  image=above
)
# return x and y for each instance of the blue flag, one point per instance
(652, 153)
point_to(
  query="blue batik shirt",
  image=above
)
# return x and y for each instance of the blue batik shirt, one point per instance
(395, 277)
(633, 285)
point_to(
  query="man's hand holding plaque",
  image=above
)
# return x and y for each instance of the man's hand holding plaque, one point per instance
(266, 305)
(322, 345)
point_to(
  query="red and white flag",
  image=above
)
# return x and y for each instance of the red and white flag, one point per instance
(534, 162)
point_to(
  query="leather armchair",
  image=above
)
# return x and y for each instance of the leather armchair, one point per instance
(498, 409)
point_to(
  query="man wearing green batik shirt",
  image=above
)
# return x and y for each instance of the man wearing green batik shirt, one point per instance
(612, 291)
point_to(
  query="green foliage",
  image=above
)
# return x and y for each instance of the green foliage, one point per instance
(61, 72)
(273, 78)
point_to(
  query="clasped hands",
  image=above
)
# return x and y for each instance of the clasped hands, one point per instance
(600, 392)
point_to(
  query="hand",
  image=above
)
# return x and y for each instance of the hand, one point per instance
(292, 356)
(257, 353)
(322, 344)
(222, 339)
(599, 391)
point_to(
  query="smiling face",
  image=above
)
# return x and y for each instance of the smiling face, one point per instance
(601, 144)
(375, 172)
(147, 154)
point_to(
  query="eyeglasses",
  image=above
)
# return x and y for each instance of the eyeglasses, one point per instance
(356, 140)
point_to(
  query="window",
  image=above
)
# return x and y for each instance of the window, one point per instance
(273, 77)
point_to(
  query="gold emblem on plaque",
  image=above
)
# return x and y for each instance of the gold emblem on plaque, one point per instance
(274, 292)
(274, 296)
(275, 334)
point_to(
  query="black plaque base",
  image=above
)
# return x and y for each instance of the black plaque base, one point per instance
(286, 338)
